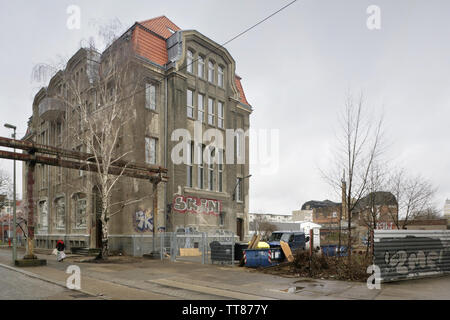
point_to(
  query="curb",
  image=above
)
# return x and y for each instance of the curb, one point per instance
(35, 276)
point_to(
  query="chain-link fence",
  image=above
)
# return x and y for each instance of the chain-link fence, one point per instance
(200, 247)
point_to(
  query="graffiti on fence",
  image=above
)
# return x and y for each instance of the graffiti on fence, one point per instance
(411, 256)
(194, 205)
(143, 221)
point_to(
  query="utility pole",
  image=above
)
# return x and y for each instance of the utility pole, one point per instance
(14, 255)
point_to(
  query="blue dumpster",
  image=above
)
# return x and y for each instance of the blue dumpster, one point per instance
(262, 257)
(332, 250)
(329, 250)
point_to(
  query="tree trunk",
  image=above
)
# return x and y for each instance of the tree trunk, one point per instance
(105, 248)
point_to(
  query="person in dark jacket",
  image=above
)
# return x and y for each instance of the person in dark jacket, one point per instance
(60, 256)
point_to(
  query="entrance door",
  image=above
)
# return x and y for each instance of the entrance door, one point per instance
(239, 229)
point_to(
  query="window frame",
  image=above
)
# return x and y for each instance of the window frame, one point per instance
(220, 76)
(220, 118)
(150, 103)
(190, 107)
(201, 112)
(211, 71)
(211, 114)
(190, 61)
(201, 67)
(148, 150)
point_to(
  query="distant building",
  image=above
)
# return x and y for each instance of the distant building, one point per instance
(302, 215)
(447, 209)
(270, 217)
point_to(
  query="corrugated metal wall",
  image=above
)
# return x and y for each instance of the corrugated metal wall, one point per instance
(407, 254)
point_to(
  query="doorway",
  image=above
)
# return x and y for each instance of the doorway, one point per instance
(239, 228)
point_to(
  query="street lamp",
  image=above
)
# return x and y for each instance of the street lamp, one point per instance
(14, 256)
(237, 183)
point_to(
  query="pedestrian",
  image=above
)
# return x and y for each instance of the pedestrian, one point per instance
(60, 255)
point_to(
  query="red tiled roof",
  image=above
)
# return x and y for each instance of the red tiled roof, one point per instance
(150, 46)
(242, 97)
(160, 25)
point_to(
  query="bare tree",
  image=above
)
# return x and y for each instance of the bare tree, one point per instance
(6, 190)
(359, 147)
(414, 195)
(264, 228)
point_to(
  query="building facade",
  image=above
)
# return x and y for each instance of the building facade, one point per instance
(189, 85)
(447, 209)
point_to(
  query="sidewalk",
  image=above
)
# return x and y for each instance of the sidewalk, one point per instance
(138, 278)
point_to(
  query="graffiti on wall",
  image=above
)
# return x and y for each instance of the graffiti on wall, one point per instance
(143, 221)
(411, 257)
(194, 205)
(385, 225)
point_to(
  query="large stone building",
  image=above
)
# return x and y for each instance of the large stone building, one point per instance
(191, 84)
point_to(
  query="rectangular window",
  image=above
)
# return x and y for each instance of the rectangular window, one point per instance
(200, 149)
(150, 96)
(210, 111)
(201, 108)
(189, 63)
(221, 76)
(201, 67)
(150, 150)
(239, 189)
(211, 169)
(220, 171)
(190, 104)
(220, 119)
(189, 161)
(210, 72)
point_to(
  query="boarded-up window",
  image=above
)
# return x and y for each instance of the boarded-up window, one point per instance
(150, 96)
(150, 150)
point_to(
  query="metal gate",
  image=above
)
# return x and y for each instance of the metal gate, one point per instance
(408, 254)
(200, 247)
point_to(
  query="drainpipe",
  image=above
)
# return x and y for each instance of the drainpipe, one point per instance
(165, 146)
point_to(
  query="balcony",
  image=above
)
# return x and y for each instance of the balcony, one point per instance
(51, 109)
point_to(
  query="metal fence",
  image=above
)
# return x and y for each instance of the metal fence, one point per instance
(200, 247)
(408, 254)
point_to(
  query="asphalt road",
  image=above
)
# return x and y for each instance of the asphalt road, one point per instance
(17, 286)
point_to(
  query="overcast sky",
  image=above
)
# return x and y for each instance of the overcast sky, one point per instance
(296, 69)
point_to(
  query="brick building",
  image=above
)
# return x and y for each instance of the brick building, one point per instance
(190, 83)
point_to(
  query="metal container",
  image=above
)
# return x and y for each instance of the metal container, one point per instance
(408, 254)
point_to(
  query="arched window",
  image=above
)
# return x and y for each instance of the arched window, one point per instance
(60, 205)
(189, 59)
(43, 214)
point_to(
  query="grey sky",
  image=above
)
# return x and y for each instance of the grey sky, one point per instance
(296, 69)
